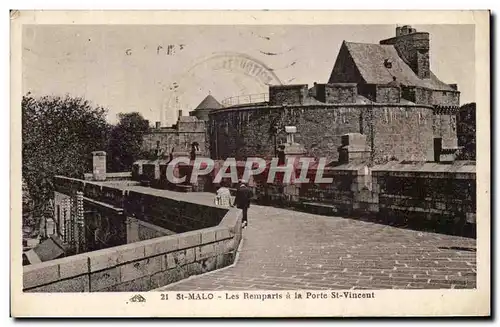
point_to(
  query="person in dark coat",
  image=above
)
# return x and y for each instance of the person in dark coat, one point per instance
(242, 200)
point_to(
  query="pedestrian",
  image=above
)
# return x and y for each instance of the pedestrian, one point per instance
(223, 196)
(242, 201)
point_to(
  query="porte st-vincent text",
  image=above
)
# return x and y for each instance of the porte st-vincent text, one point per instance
(339, 295)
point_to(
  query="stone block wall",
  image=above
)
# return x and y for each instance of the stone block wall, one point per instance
(140, 266)
(418, 95)
(402, 131)
(172, 213)
(167, 210)
(427, 192)
(445, 127)
(249, 132)
(421, 95)
(338, 195)
(167, 139)
(287, 94)
(190, 124)
(446, 98)
(339, 93)
(438, 195)
(423, 64)
(138, 230)
(388, 94)
(176, 139)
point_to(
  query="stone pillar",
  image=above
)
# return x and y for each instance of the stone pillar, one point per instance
(290, 134)
(137, 170)
(291, 148)
(354, 149)
(99, 165)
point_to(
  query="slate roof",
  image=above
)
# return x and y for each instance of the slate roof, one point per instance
(369, 59)
(209, 103)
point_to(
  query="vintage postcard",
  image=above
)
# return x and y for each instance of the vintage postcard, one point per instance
(250, 163)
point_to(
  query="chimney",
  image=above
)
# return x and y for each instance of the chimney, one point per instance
(413, 47)
(99, 165)
(180, 113)
(158, 124)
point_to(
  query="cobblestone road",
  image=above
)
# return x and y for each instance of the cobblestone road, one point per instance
(290, 250)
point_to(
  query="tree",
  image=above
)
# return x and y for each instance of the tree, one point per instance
(125, 141)
(28, 218)
(58, 136)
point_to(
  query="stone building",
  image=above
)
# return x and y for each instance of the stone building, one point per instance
(385, 91)
(180, 136)
(205, 107)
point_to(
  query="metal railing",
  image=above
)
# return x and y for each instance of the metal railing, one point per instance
(246, 98)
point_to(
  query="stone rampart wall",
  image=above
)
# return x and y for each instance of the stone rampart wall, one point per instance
(440, 194)
(140, 266)
(211, 242)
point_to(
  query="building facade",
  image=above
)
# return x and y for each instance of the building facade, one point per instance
(187, 131)
(385, 91)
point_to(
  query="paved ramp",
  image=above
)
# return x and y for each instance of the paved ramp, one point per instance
(289, 250)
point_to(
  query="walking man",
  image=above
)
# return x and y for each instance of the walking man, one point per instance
(242, 201)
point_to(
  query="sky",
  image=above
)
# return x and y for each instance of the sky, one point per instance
(157, 70)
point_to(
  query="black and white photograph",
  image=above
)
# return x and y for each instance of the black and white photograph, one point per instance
(255, 163)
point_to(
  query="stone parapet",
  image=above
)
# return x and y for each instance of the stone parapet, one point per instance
(431, 193)
(140, 266)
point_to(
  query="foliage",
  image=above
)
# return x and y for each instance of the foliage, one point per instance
(58, 136)
(125, 141)
(27, 202)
